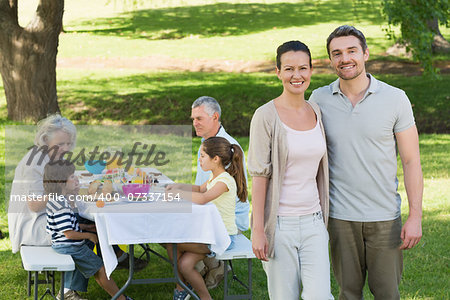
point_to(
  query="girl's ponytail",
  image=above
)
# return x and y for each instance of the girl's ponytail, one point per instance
(236, 169)
(232, 159)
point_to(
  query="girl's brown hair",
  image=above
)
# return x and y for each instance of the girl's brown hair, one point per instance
(232, 159)
(56, 174)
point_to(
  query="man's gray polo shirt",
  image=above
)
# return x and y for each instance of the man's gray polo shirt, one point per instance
(362, 149)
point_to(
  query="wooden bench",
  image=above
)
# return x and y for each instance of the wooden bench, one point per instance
(39, 259)
(242, 250)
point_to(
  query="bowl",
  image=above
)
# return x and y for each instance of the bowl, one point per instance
(95, 166)
(135, 189)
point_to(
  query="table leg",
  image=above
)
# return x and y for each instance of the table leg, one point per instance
(225, 279)
(29, 284)
(62, 285)
(36, 279)
(130, 274)
(250, 283)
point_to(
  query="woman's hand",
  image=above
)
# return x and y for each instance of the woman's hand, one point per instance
(260, 245)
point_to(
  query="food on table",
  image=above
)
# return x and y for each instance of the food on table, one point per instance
(112, 181)
(83, 191)
(93, 187)
(107, 187)
(100, 203)
(137, 179)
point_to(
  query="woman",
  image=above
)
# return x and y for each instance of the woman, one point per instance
(27, 219)
(288, 163)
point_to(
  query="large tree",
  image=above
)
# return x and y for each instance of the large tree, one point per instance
(28, 59)
(419, 26)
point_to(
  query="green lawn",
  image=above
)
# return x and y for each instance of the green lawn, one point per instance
(425, 267)
(139, 97)
(230, 30)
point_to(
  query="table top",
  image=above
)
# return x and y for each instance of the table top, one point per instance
(128, 222)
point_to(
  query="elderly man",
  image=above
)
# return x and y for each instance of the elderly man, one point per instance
(206, 120)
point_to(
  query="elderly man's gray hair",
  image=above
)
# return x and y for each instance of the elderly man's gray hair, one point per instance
(211, 105)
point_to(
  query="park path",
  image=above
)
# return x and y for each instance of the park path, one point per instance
(215, 65)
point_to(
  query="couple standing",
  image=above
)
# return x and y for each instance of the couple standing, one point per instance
(364, 120)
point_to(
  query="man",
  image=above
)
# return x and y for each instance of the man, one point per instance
(205, 117)
(365, 119)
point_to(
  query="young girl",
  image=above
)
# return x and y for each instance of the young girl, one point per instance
(61, 184)
(227, 180)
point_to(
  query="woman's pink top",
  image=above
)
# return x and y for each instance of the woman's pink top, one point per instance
(299, 194)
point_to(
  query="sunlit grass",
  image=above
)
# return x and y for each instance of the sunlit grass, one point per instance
(425, 267)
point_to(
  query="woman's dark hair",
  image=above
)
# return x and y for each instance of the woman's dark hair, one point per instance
(230, 155)
(292, 46)
(56, 174)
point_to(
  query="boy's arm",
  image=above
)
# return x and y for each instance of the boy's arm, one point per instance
(88, 227)
(77, 235)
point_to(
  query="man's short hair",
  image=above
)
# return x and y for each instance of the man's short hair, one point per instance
(211, 105)
(347, 30)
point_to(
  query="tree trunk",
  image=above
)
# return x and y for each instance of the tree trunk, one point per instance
(440, 44)
(28, 60)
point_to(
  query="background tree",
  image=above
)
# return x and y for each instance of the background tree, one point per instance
(419, 26)
(28, 59)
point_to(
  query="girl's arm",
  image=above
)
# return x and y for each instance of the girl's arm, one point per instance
(202, 188)
(76, 235)
(183, 187)
(203, 196)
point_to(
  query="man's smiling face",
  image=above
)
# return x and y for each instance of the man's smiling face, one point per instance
(347, 57)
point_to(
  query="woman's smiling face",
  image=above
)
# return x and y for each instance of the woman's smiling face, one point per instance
(59, 143)
(295, 71)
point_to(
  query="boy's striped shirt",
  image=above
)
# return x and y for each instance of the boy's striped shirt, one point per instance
(60, 218)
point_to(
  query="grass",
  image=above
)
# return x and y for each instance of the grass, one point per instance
(222, 30)
(137, 97)
(425, 267)
(230, 30)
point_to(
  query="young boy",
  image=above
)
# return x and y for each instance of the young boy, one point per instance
(60, 184)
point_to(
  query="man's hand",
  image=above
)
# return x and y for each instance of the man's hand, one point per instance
(411, 233)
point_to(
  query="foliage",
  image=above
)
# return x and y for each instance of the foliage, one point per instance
(413, 17)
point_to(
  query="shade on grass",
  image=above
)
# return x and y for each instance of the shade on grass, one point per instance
(166, 97)
(425, 267)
